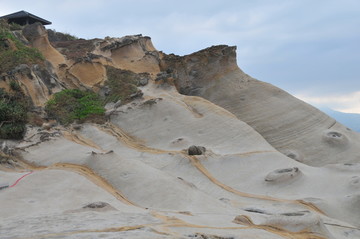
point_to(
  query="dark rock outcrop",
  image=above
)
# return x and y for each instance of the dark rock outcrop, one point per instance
(196, 150)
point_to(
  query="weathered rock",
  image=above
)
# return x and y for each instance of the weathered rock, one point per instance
(208, 236)
(48, 76)
(79, 50)
(76, 126)
(22, 69)
(281, 175)
(151, 102)
(33, 31)
(193, 71)
(137, 94)
(121, 42)
(45, 136)
(97, 205)
(48, 125)
(4, 147)
(335, 139)
(143, 81)
(163, 76)
(117, 104)
(287, 123)
(146, 165)
(196, 150)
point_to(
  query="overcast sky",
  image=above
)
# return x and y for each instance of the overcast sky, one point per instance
(310, 48)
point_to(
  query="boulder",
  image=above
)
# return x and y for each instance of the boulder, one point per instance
(143, 81)
(196, 150)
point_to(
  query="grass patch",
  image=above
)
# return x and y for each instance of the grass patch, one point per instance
(73, 104)
(13, 52)
(55, 36)
(122, 84)
(15, 27)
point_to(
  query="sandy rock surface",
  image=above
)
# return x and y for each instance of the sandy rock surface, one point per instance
(205, 152)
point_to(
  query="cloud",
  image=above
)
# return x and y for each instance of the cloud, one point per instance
(347, 103)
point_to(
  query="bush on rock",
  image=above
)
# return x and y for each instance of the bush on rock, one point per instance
(73, 104)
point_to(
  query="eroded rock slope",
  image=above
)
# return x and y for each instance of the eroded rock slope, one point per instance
(265, 164)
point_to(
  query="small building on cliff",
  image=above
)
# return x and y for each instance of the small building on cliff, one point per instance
(24, 18)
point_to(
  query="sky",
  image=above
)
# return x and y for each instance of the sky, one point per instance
(310, 48)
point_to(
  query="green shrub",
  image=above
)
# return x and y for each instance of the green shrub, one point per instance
(13, 52)
(13, 114)
(4, 26)
(73, 104)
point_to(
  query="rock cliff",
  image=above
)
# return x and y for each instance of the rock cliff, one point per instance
(293, 127)
(188, 147)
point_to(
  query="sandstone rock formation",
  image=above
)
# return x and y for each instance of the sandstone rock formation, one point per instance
(202, 150)
(288, 124)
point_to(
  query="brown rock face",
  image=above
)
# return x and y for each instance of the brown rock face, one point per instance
(36, 34)
(134, 53)
(37, 81)
(79, 63)
(290, 125)
(194, 72)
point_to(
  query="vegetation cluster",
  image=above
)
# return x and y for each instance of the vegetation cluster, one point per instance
(70, 105)
(13, 52)
(66, 106)
(122, 84)
(14, 106)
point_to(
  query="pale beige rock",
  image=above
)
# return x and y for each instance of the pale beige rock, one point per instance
(290, 125)
(137, 163)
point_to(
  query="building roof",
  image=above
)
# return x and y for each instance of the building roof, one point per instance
(25, 15)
